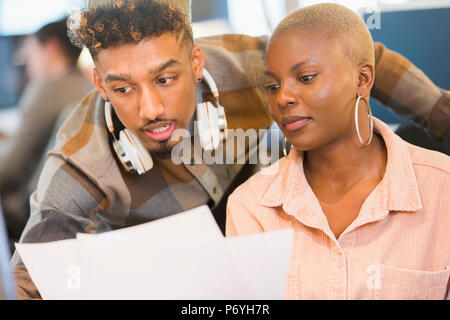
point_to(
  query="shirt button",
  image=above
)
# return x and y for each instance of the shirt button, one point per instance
(340, 264)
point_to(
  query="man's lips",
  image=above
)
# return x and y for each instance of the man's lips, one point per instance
(295, 122)
(160, 131)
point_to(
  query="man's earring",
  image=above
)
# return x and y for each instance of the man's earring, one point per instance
(199, 79)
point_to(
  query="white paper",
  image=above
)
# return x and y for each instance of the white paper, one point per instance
(161, 270)
(191, 224)
(54, 268)
(183, 256)
(263, 260)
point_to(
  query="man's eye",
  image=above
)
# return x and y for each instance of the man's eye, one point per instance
(307, 78)
(165, 81)
(123, 90)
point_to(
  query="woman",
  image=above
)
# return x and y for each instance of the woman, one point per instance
(370, 212)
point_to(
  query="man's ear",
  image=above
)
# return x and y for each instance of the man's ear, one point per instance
(366, 79)
(98, 83)
(197, 61)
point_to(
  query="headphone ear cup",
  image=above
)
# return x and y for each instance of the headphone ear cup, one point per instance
(143, 155)
(202, 126)
(132, 154)
(214, 125)
(128, 154)
(130, 151)
(208, 126)
(211, 120)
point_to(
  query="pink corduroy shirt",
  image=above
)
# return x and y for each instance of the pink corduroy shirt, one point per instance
(398, 247)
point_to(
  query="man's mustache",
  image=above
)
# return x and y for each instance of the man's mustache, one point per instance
(156, 123)
(149, 122)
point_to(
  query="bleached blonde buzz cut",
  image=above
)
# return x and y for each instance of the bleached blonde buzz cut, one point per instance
(333, 21)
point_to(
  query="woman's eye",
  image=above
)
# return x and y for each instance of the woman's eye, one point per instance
(307, 78)
(272, 87)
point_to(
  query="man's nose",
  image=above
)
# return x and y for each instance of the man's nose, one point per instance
(287, 95)
(150, 105)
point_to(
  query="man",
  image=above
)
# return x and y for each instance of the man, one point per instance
(54, 84)
(150, 71)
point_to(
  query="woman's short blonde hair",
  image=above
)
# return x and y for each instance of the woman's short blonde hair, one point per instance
(334, 21)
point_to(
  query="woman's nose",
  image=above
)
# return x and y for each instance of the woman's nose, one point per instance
(286, 96)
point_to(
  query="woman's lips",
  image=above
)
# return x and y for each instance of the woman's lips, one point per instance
(161, 132)
(295, 123)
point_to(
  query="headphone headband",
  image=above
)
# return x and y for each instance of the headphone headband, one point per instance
(211, 83)
(108, 117)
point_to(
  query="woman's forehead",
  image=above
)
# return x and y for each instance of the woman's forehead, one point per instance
(304, 44)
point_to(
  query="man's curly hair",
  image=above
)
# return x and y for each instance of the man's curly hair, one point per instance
(126, 22)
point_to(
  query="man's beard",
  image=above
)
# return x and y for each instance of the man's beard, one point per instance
(163, 150)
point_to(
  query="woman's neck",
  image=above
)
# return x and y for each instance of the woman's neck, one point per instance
(339, 166)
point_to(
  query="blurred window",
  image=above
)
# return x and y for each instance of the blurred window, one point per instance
(255, 17)
(258, 17)
(19, 17)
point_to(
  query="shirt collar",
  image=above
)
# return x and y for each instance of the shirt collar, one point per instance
(398, 190)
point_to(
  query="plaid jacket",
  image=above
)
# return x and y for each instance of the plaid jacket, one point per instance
(83, 188)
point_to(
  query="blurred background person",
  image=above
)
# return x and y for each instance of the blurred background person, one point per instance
(55, 85)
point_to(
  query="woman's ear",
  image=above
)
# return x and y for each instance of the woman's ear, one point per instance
(98, 83)
(197, 61)
(366, 77)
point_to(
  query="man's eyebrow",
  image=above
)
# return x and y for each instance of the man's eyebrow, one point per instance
(125, 77)
(119, 77)
(165, 65)
(298, 65)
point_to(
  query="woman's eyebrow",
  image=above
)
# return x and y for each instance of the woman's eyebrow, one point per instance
(293, 68)
(270, 74)
(298, 65)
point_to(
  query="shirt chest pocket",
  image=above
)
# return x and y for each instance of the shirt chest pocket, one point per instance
(404, 284)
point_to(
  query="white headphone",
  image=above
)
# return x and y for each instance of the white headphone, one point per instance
(211, 120)
(211, 124)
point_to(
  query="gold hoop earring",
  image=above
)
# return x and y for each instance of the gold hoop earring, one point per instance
(369, 114)
(284, 146)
